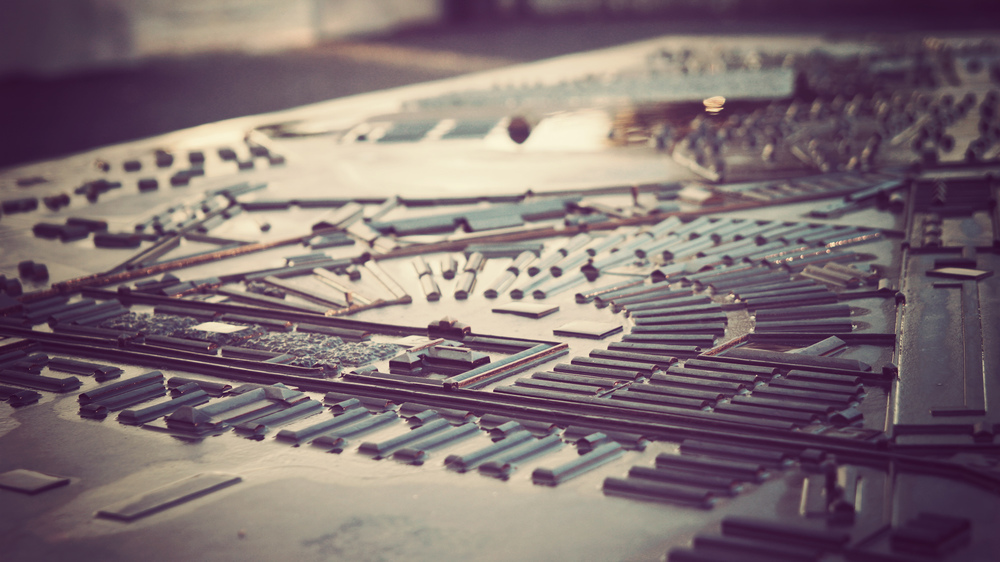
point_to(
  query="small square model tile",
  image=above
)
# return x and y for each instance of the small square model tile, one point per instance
(526, 309)
(30, 482)
(584, 329)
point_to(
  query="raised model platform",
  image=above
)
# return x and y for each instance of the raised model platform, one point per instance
(692, 299)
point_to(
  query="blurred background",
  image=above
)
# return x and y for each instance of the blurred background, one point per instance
(77, 74)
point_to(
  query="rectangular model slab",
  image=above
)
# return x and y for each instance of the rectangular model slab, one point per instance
(169, 496)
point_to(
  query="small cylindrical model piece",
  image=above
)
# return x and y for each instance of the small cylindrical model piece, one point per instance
(573, 244)
(467, 280)
(449, 266)
(551, 289)
(510, 275)
(427, 282)
(500, 284)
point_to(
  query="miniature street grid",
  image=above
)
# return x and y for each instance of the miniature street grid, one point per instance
(693, 299)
